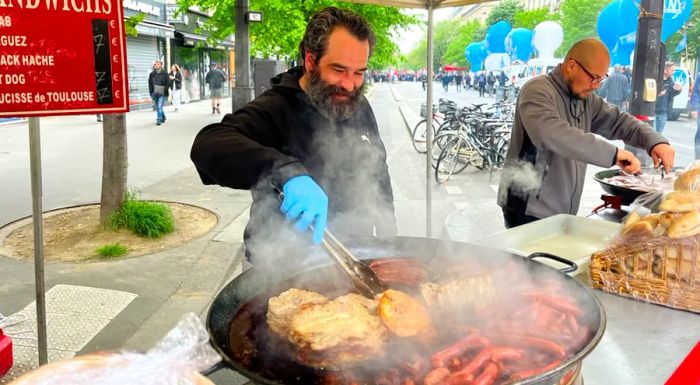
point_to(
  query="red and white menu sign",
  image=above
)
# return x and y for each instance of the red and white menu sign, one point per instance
(62, 57)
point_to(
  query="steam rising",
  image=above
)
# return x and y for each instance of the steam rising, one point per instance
(522, 178)
(513, 281)
(347, 154)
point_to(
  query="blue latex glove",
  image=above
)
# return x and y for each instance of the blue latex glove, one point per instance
(304, 199)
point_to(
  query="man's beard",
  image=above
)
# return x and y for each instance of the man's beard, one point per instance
(322, 96)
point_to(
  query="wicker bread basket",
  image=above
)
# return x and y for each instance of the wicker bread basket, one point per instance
(661, 270)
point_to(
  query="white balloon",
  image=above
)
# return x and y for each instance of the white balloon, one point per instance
(546, 38)
(496, 61)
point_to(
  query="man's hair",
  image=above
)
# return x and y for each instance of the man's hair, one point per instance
(323, 23)
(669, 64)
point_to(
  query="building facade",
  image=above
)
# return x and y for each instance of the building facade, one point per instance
(174, 39)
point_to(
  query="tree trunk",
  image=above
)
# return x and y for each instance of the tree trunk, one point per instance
(114, 165)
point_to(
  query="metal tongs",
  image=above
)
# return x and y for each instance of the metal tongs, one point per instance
(363, 277)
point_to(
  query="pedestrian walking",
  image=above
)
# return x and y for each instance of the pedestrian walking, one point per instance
(481, 82)
(458, 81)
(467, 82)
(175, 85)
(664, 99)
(158, 88)
(491, 84)
(215, 78)
(616, 88)
(446, 79)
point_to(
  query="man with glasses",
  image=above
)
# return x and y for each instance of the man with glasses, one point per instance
(553, 138)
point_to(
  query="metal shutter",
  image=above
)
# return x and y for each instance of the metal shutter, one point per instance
(141, 52)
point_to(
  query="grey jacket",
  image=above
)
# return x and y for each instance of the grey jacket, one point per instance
(552, 142)
(616, 88)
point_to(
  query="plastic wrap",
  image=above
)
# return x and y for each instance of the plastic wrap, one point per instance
(175, 360)
(656, 257)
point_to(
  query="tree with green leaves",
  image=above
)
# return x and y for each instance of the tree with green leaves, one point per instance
(284, 22)
(417, 58)
(578, 20)
(505, 10)
(463, 36)
(692, 29)
(530, 19)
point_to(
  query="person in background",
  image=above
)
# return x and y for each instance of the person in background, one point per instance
(664, 100)
(458, 81)
(491, 84)
(175, 85)
(158, 88)
(216, 79)
(615, 89)
(481, 82)
(446, 79)
(313, 136)
(695, 107)
(467, 81)
(554, 137)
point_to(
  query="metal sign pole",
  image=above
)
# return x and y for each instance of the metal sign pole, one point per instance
(35, 161)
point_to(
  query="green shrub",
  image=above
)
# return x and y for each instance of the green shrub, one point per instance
(144, 218)
(111, 250)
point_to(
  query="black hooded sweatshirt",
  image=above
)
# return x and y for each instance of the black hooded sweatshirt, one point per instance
(281, 135)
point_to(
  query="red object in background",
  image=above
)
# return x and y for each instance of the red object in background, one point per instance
(687, 373)
(644, 118)
(5, 353)
(62, 58)
(454, 68)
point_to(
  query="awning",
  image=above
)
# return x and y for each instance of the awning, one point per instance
(151, 28)
(190, 39)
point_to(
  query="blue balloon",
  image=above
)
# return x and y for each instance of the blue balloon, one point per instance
(609, 24)
(676, 13)
(621, 54)
(519, 44)
(496, 35)
(629, 12)
(475, 54)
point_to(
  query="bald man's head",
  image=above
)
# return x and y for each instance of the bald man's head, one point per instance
(585, 66)
(588, 52)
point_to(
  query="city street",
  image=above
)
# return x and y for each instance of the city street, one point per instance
(165, 285)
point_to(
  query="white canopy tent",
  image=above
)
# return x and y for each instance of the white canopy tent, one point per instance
(429, 5)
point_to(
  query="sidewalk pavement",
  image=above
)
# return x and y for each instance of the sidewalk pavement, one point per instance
(158, 288)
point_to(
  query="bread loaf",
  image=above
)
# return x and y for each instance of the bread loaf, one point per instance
(686, 225)
(689, 180)
(681, 201)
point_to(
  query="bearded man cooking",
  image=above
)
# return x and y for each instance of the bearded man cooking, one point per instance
(553, 138)
(314, 136)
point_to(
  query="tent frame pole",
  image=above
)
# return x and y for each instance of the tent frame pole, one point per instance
(428, 127)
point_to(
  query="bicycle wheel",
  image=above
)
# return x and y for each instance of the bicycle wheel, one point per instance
(448, 161)
(419, 137)
(439, 142)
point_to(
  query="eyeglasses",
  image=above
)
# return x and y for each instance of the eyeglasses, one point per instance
(594, 78)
